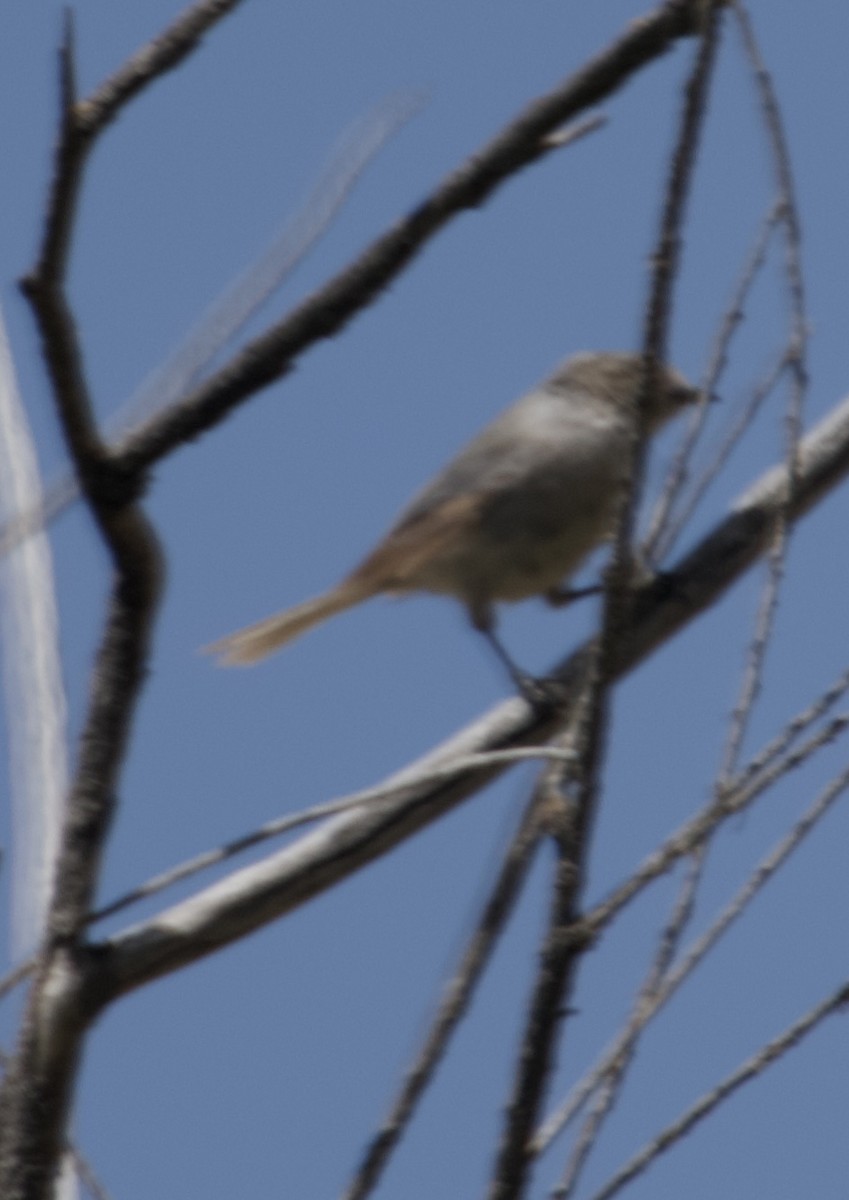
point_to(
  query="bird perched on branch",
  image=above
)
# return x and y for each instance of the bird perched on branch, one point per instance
(514, 514)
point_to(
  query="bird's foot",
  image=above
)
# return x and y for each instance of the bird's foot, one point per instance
(559, 597)
(544, 693)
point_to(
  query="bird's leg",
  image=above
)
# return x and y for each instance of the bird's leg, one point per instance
(641, 575)
(559, 597)
(537, 692)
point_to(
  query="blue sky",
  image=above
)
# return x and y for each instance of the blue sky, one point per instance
(274, 1060)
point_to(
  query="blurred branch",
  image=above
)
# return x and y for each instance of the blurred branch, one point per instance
(32, 677)
(754, 1066)
(695, 832)
(36, 1090)
(228, 315)
(660, 537)
(652, 999)
(85, 119)
(766, 757)
(565, 942)
(610, 1082)
(794, 359)
(499, 905)
(11, 980)
(87, 1176)
(525, 140)
(740, 422)
(230, 312)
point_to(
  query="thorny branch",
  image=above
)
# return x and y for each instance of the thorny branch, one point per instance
(764, 1058)
(563, 944)
(270, 356)
(36, 1090)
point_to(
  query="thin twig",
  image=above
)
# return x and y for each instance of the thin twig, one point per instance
(658, 541)
(390, 791)
(36, 1091)
(525, 140)
(231, 311)
(660, 984)
(784, 175)
(755, 657)
(563, 941)
(762, 873)
(795, 359)
(11, 980)
(613, 1079)
(561, 947)
(687, 963)
(498, 907)
(677, 523)
(754, 1066)
(793, 729)
(695, 831)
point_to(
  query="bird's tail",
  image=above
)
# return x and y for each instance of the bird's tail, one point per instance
(254, 642)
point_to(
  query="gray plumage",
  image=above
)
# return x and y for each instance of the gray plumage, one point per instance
(515, 513)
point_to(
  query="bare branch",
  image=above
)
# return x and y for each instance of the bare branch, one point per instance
(700, 827)
(271, 355)
(564, 941)
(794, 728)
(120, 666)
(795, 358)
(652, 1001)
(661, 983)
(502, 899)
(230, 312)
(391, 791)
(659, 539)
(720, 456)
(36, 1090)
(162, 54)
(32, 677)
(784, 176)
(758, 1063)
(611, 1081)
(84, 120)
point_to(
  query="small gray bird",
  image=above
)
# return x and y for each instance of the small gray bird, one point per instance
(513, 515)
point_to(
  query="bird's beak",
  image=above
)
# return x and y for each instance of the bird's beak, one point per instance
(697, 395)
